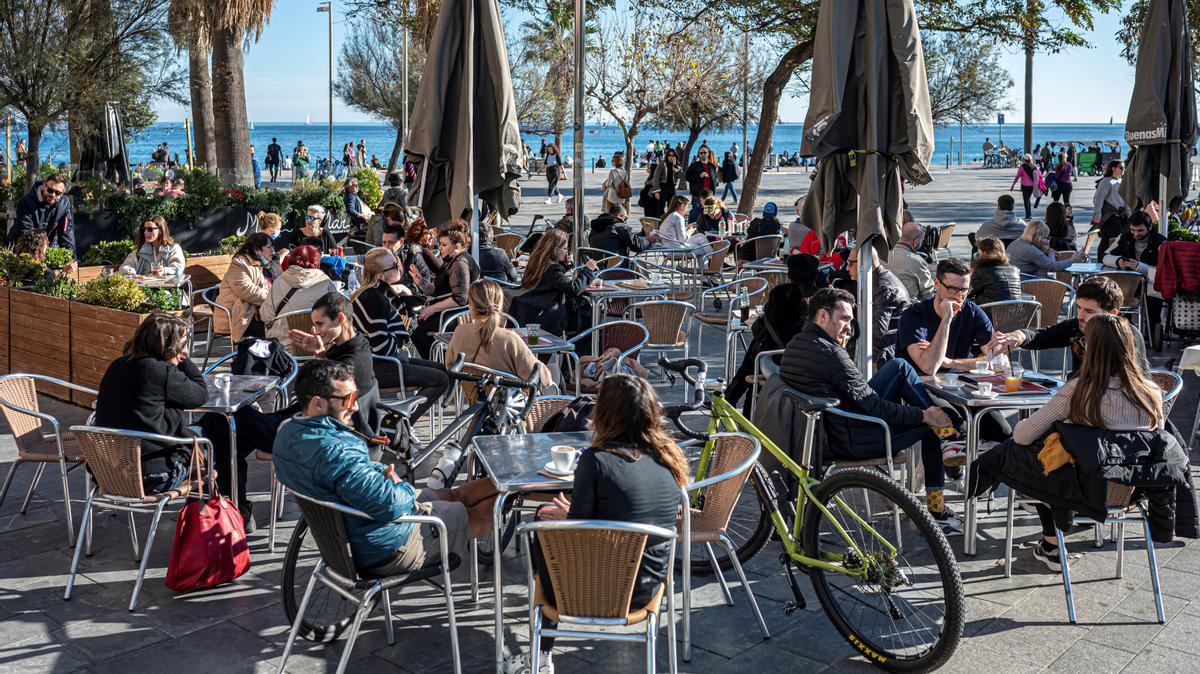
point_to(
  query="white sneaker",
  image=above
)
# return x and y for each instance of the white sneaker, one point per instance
(560, 198)
(549, 201)
(518, 663)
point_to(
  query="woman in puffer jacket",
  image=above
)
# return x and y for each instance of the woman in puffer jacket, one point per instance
(298, 287)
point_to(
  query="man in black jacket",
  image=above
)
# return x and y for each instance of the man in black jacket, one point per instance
(815, 362)
(44, 208)
(888, 300)
(701, 175)
(609, 232)
(1096, 295)
(1136, 250)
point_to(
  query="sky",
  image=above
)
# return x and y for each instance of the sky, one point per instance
(287, 75)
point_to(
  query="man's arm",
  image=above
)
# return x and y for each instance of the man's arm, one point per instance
(852, 388)
(930, 356)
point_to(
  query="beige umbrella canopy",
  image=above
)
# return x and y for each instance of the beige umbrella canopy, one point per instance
(1161, 124)
(868, 120)
(463, 134)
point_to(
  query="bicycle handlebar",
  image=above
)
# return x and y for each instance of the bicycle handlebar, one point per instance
(682, 366)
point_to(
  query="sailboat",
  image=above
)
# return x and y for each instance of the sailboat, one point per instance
(307, 120)
(251, 125)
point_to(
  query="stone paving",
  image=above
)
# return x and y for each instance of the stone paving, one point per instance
(1013, 625)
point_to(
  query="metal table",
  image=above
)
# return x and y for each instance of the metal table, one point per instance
(1082, 270)
(766, 264)
(976, 408)
(244, 390)
(547, 342)
(512, 463)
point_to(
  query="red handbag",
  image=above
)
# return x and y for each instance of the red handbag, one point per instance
(210, 541)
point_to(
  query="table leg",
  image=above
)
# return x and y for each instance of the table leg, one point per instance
(969, 504)
(596, 301)
(498, 583)
(233, 460)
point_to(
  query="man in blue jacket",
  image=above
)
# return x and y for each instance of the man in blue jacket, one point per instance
(45, 208)
(319, 455)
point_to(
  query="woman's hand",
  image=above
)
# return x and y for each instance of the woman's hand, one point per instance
(591, 264)
(309, 342)
(415, 274)
(558, 510)
(426, 313)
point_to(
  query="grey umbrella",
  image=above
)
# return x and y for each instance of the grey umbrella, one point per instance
(1161, 124)
(463, 134)
(868, 120)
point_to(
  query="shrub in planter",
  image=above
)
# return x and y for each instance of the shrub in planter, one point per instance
(60, 286)
(57, 258)
(19, 270)
(110, 253)
(368, 186)
(113, 291)
(229, 245)
(327, 193)
(161, 299)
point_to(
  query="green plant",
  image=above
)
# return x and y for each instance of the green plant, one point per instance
(109, 253)
(229, 245)
(268, 200)
(1178, 232)
(113, 291)
(57, 258)
(57, 286)
(162, 299)
(327, 193)
(20, 270)
(368, 186)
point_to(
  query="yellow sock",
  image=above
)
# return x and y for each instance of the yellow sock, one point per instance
(934, 501)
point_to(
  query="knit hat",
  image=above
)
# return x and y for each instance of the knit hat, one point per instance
(803, 267)
(770, 209)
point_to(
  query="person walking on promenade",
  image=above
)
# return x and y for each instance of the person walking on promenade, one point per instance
(729, 173)
(274, 157)
(362, 152)
(617, 178)
(553, 172)
(1109, 211)
(666, 178)
(1030, 179)
(1063, 175)
(702, 176)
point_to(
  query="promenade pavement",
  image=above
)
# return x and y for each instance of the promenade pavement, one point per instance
(1013, 625)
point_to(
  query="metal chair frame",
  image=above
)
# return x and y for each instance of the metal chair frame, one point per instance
(759, 242)
(760, 374)
(685, 327)
(756, 288)
(347, 587)
(572, 356)
(209, 297)
(537, 631)
(1046, 319)
(1137, 309)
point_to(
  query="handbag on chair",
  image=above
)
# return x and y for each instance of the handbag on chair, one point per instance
(210, 541)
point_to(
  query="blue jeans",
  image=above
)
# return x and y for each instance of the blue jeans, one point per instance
(898, 381)
(729, 190)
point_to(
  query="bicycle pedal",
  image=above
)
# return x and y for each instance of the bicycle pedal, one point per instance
(789, 607)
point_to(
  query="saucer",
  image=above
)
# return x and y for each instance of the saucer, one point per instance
(981, 372)
(984, 396)
(550, 470)
(953, 385)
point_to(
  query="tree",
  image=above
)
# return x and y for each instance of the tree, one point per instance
(371, 76)
(967, 84)
(59, 57)
(1130, 33)
(548, 52)
(190, 32)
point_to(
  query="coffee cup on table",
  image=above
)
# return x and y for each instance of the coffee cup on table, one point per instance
(985, 388)
(563, 457)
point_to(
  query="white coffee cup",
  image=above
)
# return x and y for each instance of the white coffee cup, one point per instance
(949, 379)
(223, 382)
(985, 388)
(563, 457)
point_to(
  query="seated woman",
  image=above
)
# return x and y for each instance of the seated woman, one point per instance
(419, 251)
(377, 316)
(715, 218)
(493, 261)
(550, 291)
(270, 224)
(244, 288)
(34, 243)
(631, 473)
(1032, 255)
(1111, 393)
(1062, 229)
(147, 389)
(993, 279)
(314, 227)
(484, 342)
(299, 287)
(154, 252)
(458, 270)
(673, 231)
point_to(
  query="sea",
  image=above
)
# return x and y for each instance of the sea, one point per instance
(601, 139)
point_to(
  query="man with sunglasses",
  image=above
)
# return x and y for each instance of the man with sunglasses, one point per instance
(45, 208)
(702, 175)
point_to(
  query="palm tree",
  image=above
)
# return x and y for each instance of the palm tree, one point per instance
(550, 40)
(229, 23)
(188, 31)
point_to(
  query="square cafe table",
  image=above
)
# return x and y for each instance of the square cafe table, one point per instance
(512, 463)
(244, 390)
(976, 408)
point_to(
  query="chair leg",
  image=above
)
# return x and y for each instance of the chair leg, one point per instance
(8, 480)
(1153, 559)
(651, 630)
(86, 531)
(672, 646)
(387, 617)
(62, 466)
(364, 607)
(448, 589)
(535, 640)
(712, 559)
(1098, 532)
(137, 586)
(79, 545)
(37, 475)
(1066, 574)
(1008, 532)
(737, 566)
(295, 631)
(1120, 549)
(274, 511)
(474, 570)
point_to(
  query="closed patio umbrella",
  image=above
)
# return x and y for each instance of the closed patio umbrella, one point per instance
(463, 134)
(1161, 125)
(869, 126)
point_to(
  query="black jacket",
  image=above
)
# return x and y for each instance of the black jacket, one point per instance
(56, 220)
(889, 299)
(548, 303)
(356, 352)
(729, 172)
(1125, 248)
(613, 235)
(1068, 334)
(815, 365)
(1153, 461)
(494, 263)
(695, 177)
(995, 283)
(150, 395)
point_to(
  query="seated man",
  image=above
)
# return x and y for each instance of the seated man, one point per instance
(319, 455)
(1097, 295)
(1137, 250)
(888, 300)
(815, 362)
(910, 266)
(1004, 225)
(610, 232)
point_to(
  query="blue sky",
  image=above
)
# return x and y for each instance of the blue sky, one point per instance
(287, 78)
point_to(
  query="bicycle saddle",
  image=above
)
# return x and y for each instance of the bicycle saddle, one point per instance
(402, 407)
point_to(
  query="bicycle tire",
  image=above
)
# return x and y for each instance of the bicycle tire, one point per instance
(313, 628)
(942, 559)
(749, 533)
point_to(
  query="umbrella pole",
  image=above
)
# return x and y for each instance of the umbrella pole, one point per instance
(577, 174)
(1162, 205)
(863, 351)
(187, 134)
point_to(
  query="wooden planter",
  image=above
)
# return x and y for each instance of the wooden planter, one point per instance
(85, 274)
(39, 337)
(98, 337)
(207, 270)
(4, 366)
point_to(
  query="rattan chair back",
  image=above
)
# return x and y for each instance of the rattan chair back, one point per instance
(1171, 384)
(328, 529)
(593, 571)
(1130, 284)
(26, 428)
(720, 499)
(508, 242)
(663, 320)
(542, 409)
(1012, 315)
(115, 462)
(1050, 294)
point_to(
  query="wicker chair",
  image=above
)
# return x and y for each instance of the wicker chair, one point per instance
(1052, 295)
(765, 246)
(627, 336)
(1010, 315)
(593, 566)
(1133, 288)
(542, 409)
(19, 405)
(337, 571)
(509, 242)
(667, 321)
(1171, 384)
(734, 455)
(1120, 501)
(299, 319)
(649, 224)
(712, 264)
(209, 298)
(113, 457)
(755, 288)
(942, 248)
(605, 259)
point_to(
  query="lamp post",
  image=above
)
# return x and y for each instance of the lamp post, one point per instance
(327, 7)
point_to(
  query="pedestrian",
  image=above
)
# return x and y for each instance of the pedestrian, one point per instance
(1030, 179)
(300, 161)
(1109, 211)
(702, 176)
(616, 185)
(729, 173)
(553, 172)
(666, 178)
(274, 155)
(1060, 182)
(362, 152)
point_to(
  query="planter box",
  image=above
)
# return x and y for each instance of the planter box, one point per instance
(4, 366)
(85, 274)
(98, 336)
(207, 270)
(40, 337)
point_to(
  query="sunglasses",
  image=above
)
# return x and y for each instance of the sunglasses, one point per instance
(347, 400)
(310, 218)
(155, 228)
(57, 193)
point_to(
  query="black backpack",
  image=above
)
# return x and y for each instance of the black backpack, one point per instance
(573, 418)
(275, 363)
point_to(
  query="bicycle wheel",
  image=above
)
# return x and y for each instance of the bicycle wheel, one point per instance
(905, 613)
(749, 527)
(328, 614)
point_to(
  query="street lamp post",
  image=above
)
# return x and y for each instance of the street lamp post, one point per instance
(327, 7)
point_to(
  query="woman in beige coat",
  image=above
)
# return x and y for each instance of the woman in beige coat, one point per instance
(482, 341)
(244, 288)
(300, 285)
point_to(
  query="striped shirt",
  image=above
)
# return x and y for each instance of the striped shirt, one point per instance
(377, 319)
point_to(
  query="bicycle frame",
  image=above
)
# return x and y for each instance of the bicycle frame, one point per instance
(725, 417)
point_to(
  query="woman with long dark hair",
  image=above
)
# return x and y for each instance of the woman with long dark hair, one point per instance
(449, 288)
(245, 287)
(666, 180)
(154, 251)
(550, 290)
(1062, 230)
